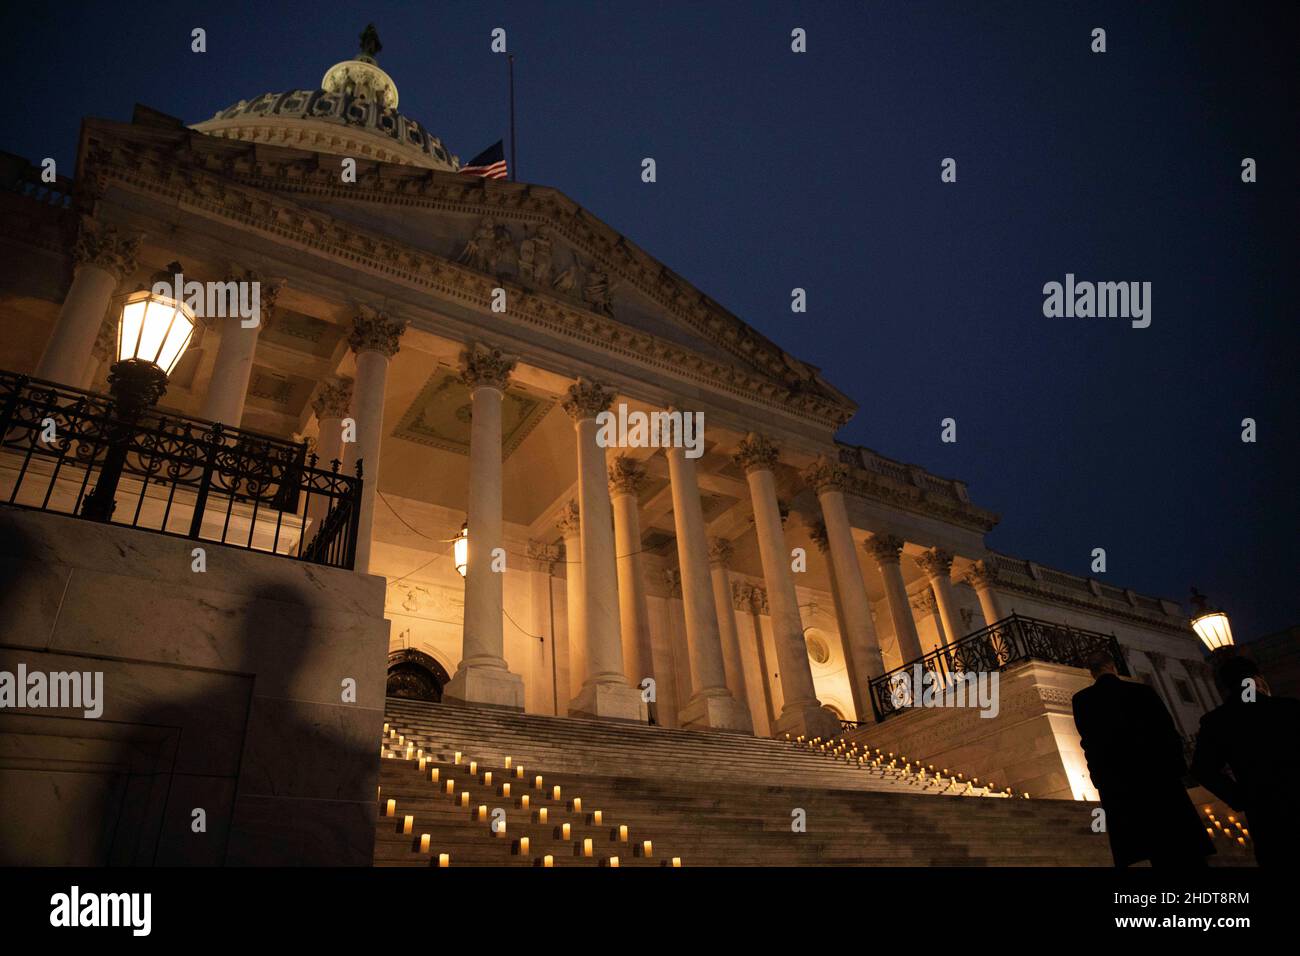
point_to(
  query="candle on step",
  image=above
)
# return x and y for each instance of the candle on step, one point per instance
(541, 815)
(647, 848)
(596, 817)
(586, 846)
(523, 845)
(537, 781)
(505, 789)
(444, 859)
(577, 804)
(392, 808)
(565, 830)
(487, 778)
(464, 798)
(451, 785)
(433, 775)
(613, 862)
(408, 823)
(622, 832)
(424, 843)
(508, 761)
(456, 757)
(548, 861)
(422, 762)
(473, 766)
(482, 811)
(677, 861)
(519, 771)
(523, 801)
(555, 792)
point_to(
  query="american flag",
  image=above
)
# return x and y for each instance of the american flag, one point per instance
(490, 164)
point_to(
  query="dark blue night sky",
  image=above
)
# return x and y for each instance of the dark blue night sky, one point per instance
(821, 170)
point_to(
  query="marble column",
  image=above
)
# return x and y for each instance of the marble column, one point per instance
(859, 679)
(626, 476)
(102, 258)
(937, 565)
(102, 354)
(374, 339)
(801, 712)
(228, 387)
(1164, 690)
(861, 643)
(482, 676)
(886, 549)
(982, 576)
(331, 404)
(571, 660)
(720, 552)
(605, 691)
(712, 706)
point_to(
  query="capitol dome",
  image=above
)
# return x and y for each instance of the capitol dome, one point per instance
(353, 113)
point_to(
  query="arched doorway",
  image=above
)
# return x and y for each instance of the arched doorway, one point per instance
(415, 675)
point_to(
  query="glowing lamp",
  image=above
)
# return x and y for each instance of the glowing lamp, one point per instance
(1210, 624)
(460, 549)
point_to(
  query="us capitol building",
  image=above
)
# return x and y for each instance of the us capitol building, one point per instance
(458, 337)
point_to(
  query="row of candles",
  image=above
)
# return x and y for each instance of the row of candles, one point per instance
(1240, 837)
(499, 827)
(865, 757)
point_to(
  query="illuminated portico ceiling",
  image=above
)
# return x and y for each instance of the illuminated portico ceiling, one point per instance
(440, 415)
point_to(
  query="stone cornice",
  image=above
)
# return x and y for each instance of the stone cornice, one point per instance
(244, 184)
(875, 477)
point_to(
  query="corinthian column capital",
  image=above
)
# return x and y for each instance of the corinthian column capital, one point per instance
(885, 548)
(569, 521)
(982, 574)
(586, 399)
(720, 551)
(756, 453)
(817, 531)
(483, 367)
(826, 475)
(626, 475)
(374, 331)
(333, 399)
(102, 245)
(936, 562)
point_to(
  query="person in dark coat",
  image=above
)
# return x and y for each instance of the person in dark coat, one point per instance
(1244, 756)
(1135, 759)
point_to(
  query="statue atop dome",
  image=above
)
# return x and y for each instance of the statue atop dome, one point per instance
(370, 45)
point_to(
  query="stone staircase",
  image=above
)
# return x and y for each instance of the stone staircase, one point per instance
(701, 799)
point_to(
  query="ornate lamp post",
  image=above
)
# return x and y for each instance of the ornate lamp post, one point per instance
(153, 332)
(1211, 625)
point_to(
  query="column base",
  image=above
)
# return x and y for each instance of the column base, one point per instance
(486, 687)
(722, 713)
(808, 720)
(609, 701)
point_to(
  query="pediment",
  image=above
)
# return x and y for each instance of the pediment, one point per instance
(569, 263)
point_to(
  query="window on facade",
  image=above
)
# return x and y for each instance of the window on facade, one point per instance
(1184, 690)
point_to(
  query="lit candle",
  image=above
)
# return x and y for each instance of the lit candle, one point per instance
(508, 763)
(410, 751)
(464, 798)
(401, 739)
(548, 861)
(622, 832)
(613, 861)
(487, 778)
(473, 766)
(541, 815)
(677, 861)
(444, 859)
(586, 847)
(505, 789)
(523, 801)
(408, 823)
(555, 792)
(422, 762)
(577, 804)
(392, 808)
(424, 843)
(523, 845)
(537, 781)
(456, 757)
(564, 830)
(647, 848)
(596, 817)
(433, 775)
(482, 811)
(451, 785)
(1241, 840)
(385, 726)
(499, 828)
(519, 771)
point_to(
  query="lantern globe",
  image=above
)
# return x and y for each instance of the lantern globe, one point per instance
(154, 328)
(460, 549)
(1213, 629)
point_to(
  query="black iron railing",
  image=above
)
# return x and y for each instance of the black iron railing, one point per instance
(180, 476)
(1009, 641)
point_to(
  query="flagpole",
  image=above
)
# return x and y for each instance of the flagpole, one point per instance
(510, 58)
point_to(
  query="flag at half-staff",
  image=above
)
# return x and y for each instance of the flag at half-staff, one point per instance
(490, 164)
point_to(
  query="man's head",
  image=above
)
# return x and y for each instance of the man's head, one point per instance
(1100, 662)
(1231, 674)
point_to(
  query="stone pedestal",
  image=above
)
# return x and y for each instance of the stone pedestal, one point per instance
(610, 701)
(486, 686)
